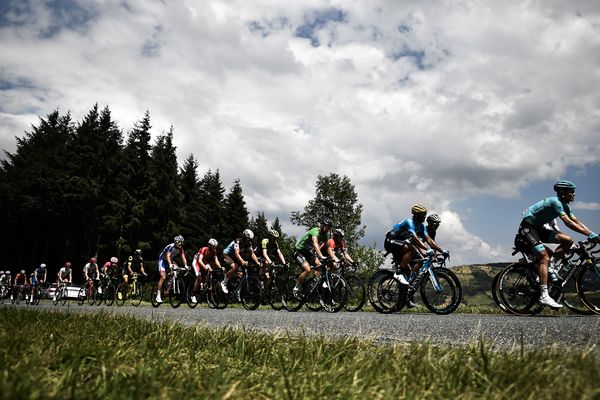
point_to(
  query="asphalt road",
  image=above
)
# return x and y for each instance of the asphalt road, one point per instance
(500, 331)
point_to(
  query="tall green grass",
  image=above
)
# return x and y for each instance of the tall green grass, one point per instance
(78, 356)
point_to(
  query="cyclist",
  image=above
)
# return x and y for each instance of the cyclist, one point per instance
(403, 242)
(20, 282)
(268, 246)
(91, 272)
(38, 277)
(239, 251)
(337, 246)
(532, 230)
(135, 264)
(308, 250)
(65, 275)
(201, 263)
(165, 261)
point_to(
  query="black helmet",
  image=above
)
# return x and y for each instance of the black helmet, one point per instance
(326, 221)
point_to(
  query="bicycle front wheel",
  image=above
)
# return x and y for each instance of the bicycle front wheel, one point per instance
(373, 289)
(121, 294)
(588, 285)
(356, 293)
(110, 294)
(571, 299)
(189, 292)
(137, 293)
(275, 293)
(496, 294)
(441, 293)
(176, 292)
(251, 293)
(81, 296)
(292, 302)
(334, 294)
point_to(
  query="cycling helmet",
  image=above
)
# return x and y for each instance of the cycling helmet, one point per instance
(179, 240)
(22, 271)
(138, 252)
(339, 233)
(274, 233)
(67, 265)
(327, 221)
(248, 234)
(418, 209)
(434, 219)
(114, 260)
(42, 265)
(213, 242)
(564, 186)
(130, 258)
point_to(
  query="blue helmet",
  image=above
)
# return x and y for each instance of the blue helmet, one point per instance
(564, 186)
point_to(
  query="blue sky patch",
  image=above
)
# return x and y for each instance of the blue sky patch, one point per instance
(317, 20)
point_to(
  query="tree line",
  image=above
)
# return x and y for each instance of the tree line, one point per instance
(73, 190)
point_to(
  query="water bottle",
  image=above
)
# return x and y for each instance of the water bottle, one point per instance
(552, 272)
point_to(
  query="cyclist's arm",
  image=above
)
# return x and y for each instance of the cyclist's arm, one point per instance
(129, 268)
(184, 259)
(315, 244)
(281, 257)
(347, 256)
(433, 244)
(236, 251)
(416, 241)
(217, 262)
(265, 255)
(575, 224)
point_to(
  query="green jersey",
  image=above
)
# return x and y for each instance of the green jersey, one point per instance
(305, 242)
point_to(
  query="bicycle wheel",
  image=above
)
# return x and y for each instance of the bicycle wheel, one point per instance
(137, 293)
(251, 293)
(571, 299)
(496, 295)
(290, 301)
(312, 299)
(356, 293)
(153, 294)
(588, 285)
(188, 296)
(517, 292)
(176, 292)
(81, 296)
(334, 294)
(91, 295)
(391, 295)
(216, 299)
(275, 293)
(445, 296)
(121, 294)
(110, 294)
(373, 288)
(63, 296)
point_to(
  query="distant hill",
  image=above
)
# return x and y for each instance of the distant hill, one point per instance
(476, 281)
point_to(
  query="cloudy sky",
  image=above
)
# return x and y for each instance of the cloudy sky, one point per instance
(473, 108)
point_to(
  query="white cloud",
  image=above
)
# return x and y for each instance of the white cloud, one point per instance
(413, 101)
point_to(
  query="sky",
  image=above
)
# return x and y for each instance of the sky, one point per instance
(472, 108)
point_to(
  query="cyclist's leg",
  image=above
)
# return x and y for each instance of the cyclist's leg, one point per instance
(162, 270)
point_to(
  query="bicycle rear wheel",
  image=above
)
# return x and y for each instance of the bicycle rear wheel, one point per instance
(588, 285)
(311, 295)
(496, 294)
(275, 293)
(445, 296)
(356, 293)
(153, 295)
(391, 295)
(216, 298)
(137, 293)
(334, 294)
(373, 290)
(251, 293)
(110, 294)
(516, 292)
(571, 299)
(189, 292)
(81, 296)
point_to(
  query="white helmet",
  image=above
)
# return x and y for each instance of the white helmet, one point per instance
(213, 242)
(248, 234)
(42, 265)
(274, 233)
(114, 260)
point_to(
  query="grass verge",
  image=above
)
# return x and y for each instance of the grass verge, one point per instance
(76, 356)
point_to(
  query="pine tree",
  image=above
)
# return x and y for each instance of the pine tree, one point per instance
(259, 226)
(212, 200)
(236, 213)
(193, 221)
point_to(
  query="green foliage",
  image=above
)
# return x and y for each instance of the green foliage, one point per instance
(236, 213)
(142, 359)
(336, 199)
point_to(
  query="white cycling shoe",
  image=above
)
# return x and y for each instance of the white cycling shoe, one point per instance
(224, 287)
(158, 299)
(549, 301)
(401, 278)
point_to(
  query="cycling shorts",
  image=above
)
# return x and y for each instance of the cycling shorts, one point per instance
(536, 237)
(33, 280)
(304, 256)
(162, 266)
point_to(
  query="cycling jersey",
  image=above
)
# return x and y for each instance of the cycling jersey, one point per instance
(341, 247)
(207, 255)
(109, 268)
(91, 270)
(40, 273)
(245, 248)
(422, 232)
(305, 242)
(135, 264)
(545, 211)
(64, 273)
(271, 247)
(406, 229)
(170, 249)
(20, 279)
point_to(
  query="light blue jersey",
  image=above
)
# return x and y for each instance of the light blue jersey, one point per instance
(544, 211)
(406, 229)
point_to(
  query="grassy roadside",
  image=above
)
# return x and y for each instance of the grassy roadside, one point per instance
(56, 355)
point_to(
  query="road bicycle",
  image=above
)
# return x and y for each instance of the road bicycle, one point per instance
(20, 293)
(86, 293)
(518, 287)
(105, 292)
(4, 292)
(133, 291)
(173, 288)
(60, 296)
(439, 287)
(245, 288)
(357, 292)
(274, 292)
(39, 292)
(328, 291)
(588, 278)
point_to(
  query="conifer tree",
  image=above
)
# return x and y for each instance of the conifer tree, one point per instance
(236, 213)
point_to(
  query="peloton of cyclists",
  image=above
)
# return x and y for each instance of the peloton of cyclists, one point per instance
(166, 259)
(202, 261)
(533, 231)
